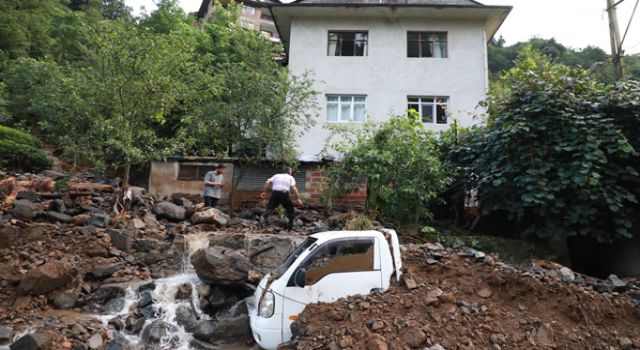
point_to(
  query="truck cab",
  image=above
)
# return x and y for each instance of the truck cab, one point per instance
(325, 267)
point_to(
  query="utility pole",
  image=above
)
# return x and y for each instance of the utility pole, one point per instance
(616, 45)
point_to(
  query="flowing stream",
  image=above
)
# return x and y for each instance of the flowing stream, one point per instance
(166, 305)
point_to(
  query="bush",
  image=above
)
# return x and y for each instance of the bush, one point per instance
(399, 162)
(358, 222)
(21, 151)
(19, 137)
(552, 156)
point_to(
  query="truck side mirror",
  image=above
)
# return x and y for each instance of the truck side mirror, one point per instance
(299, 277)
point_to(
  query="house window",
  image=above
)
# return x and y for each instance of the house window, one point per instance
(193, 171)
(347, 43)
(346, 108)
(248, 10)
(248, 24)
(431, 109)
(266, 14)
(425, 44)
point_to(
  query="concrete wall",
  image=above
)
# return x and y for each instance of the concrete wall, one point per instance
(163, 180)
(387, 76)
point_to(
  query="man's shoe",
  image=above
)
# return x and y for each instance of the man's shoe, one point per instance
(260, 222)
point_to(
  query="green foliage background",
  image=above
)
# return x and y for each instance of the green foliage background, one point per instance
(110, 89)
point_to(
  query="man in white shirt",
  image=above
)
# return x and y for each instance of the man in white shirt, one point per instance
(281, 184)
(213, 183)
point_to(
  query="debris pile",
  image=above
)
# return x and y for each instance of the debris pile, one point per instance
(69, 253)
(454, 299)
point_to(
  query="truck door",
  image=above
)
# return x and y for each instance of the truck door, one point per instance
(336, 269)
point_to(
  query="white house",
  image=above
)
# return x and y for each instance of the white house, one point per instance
(375, 58)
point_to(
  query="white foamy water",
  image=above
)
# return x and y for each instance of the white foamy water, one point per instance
(165, 303)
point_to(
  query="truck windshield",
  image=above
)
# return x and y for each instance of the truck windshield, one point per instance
(293, 256)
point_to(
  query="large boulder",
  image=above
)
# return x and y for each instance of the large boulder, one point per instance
(156, 331)
(31, 341)
(55, 175)
(67, 299)
(7, 234)
(120, 239)
(28, 195)
(25, 210)
(224, 330)
(107, 292)
(185, 317)
(210, 216)
(169, 211)
(218, 265)
(99, 219)
(267, 252)
(106, 270)
(6, 334)
(45, 278)
(58, 217)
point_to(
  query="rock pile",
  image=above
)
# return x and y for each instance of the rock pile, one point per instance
(465, 299)
(63, 246)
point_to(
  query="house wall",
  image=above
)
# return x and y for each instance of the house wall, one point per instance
(259, 22)
(386, 75)
(316, 184)
(163, 181)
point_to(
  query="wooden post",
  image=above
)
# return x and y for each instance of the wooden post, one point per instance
(616, 45)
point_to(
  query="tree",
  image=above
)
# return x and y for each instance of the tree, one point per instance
(258, 107)
(28, 88)
(115, 9)
(168, 17)
(502, 58)
(400, 163)
(4, 115)
(24, 26)
(551, 156)
(136, 78)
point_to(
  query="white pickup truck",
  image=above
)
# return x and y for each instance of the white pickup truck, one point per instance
(325, 267)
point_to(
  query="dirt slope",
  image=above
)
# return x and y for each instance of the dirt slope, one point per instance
(453, 301)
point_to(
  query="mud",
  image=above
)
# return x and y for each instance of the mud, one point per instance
(461, 302)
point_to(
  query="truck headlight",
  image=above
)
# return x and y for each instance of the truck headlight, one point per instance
(267, 305)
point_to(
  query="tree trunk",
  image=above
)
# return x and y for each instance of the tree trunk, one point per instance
(127, 171)
(367, 197)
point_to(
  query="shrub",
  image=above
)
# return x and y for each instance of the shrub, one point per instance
(19, 137)
(400, 163)
(552, 157)
(358, 222)
(21, 151)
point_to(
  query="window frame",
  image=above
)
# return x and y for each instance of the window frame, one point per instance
(366, 43)
(433, 46)
(325, 245)
(199, 169)
(352, 105)
(246, 11)
(433, 103)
